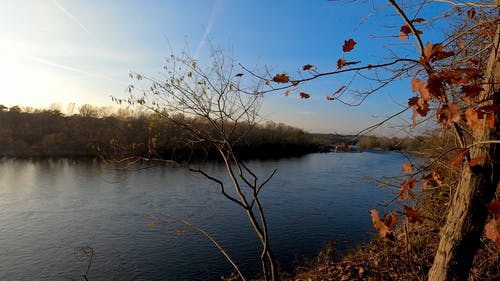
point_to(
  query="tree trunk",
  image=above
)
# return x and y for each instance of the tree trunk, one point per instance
(460, 236)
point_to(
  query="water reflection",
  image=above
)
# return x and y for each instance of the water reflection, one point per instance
(51, 207)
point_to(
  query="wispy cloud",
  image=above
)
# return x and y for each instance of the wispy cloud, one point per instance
(73, 69)
(213, 14)
(70, 16)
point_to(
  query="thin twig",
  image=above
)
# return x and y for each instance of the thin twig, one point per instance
(216, 244)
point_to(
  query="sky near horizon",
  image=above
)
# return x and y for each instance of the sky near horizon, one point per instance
(69, 51)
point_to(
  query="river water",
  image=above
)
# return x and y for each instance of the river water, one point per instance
(51, 208)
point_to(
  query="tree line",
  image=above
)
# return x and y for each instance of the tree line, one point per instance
(412, 144)
(51, 133)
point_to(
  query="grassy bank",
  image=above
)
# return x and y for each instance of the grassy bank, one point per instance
(409, 256)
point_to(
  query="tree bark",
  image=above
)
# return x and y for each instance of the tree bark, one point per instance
(460, 236)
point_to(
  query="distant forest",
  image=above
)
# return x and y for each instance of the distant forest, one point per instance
(26, 132)
(34, 132)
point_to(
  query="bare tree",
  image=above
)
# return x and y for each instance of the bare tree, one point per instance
(209, 105)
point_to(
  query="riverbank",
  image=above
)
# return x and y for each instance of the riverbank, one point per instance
(409, 256)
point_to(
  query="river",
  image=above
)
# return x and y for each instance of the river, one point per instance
(51, 208)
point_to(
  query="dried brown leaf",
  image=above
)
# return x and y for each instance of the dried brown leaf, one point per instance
(281, 78)
(471, 13)
(412, 215)
(348, 45)
(406, 186)
(404, 31)
(407, 168)
(494, 207)
(490, 120)
(419, 86)
(475, 161)
(472, 90)
(304, 95)
(492, 230)
(379, 225)
(434, 179)
(340, 63)
(307, 67)
(390, 219)
(472, 120)
(448, 114)
(460, 155)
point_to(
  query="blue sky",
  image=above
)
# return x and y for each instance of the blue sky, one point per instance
(63, 51)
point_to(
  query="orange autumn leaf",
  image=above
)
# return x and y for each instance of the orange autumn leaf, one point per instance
(455, 77)
(435, 52)
(461, 43)
(492, 230)
(475, 161)
(342, 62)
(472, 90)
(420, 107)
(407, 168)
(494, 207)
(416, 84)
(406, 186)
(412, 215)
(404, 31)
(434, 179)
(348, 45)
(379, 225)
(281, 78)
(490, 120)
(467, 100)
(304, 95)
(425, 184)
(419, 86)
(471, 13)
(390, 219)
(472, 120)
(414, 117)
(448, 114)
(402, 36)
(435, 85)
(460, 155)
(442, 55)
(428, 51)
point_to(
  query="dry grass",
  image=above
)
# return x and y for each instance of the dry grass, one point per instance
(408, 257)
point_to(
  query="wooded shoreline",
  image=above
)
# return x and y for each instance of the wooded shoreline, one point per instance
(49, 133)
